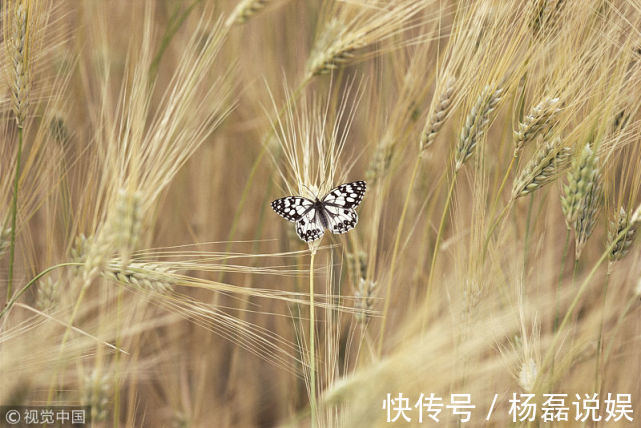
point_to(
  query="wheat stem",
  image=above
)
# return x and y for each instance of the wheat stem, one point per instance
(175, 22)
(439, 233)
(599, 349)
(615, 331)
(312, 338)
(116, 390)
(507, 174)
(65, 337)
(252, 175)
(527, 232)
(14, 215)
(501, 216)
(397, 241)
(566, 246)
(557, 336)
(30, 283)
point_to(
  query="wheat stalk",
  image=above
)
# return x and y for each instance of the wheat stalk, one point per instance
(404, 114)
(546, 16)
(476, 124)
(312, 340)
(620, 121)
(18, 47)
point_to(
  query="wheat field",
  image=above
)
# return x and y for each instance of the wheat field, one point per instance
(485, 275)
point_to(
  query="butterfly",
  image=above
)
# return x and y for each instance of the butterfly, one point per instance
(335, 211)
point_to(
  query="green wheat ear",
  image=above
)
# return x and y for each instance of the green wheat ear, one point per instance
(537, 122)
(544, 167)
(476, 123)
(620, 244)
(580, 181)
(582, 197)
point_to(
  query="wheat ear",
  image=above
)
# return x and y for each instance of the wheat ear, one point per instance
(476, 124)
(540, 119)
(18, 47)
(244, 10)
(331, 49)
(364, 299)
(543, 168)
(438, 116)
(618, 241)
(582, 197)
(145, 276)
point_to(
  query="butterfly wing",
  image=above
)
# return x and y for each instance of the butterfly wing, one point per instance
(339, 206)
(337, 214)
(309, 227)
(347, 195)
(340, 220)
(292, 208)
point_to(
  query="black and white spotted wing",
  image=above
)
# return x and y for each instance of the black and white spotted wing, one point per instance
(340, 220)
(339, 206)
(347, 195)
(310, 227)
(292, 208)
(334, 212)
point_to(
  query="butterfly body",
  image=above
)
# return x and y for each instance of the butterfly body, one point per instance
(334, 212)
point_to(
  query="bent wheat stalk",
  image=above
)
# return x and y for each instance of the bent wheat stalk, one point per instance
(433, 125)
(476, 124)
(18, 50)
(312, 341)
(582, 288)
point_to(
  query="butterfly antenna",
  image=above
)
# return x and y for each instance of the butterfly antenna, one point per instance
(310, 191)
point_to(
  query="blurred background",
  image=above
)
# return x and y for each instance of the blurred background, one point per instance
(145, 274)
